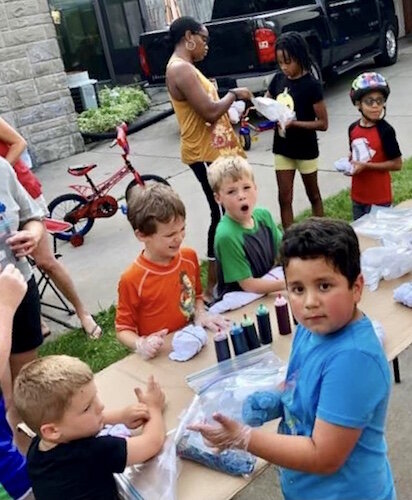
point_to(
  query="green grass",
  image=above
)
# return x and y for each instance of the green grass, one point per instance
(105, 351)
(96, 353)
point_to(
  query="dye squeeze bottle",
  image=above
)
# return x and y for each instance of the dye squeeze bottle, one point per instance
(263, 320)
(250, 332)
(6, 254)
(238, 337)
(221, 346)
(282, 315)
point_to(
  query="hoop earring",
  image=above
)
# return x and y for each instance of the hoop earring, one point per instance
(190, 45)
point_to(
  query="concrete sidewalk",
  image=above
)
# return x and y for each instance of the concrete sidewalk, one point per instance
(111, 246)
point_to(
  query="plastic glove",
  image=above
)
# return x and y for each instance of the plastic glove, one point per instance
(149, 346)
(214, 322)
(261, 407)
(228, 434)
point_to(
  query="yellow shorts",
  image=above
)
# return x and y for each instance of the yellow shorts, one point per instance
(303, 166)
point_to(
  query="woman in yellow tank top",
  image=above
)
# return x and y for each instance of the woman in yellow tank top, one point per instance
(205, 128)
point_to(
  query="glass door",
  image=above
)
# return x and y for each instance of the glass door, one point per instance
(78, 37)
(122, 21)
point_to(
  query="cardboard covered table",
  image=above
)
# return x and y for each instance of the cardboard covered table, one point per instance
(197, 482)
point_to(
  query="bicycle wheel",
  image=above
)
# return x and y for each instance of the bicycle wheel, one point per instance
(63, 205)
(147, 179)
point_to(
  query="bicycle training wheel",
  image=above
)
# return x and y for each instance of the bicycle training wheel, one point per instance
(147, 179)
(61, 206)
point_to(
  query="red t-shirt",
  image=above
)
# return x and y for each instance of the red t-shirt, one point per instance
(152, 296)
(373, 187)
(25, 176)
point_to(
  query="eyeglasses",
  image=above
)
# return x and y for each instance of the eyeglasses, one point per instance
(370, 101)
(205, 38)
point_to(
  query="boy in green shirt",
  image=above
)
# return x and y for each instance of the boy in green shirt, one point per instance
(247, 240)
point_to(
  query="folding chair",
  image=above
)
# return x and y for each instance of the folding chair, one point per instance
(44, 282)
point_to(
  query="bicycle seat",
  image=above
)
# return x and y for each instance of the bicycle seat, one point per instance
(83, 170)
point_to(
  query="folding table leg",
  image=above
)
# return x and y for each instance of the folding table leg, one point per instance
(396, 371)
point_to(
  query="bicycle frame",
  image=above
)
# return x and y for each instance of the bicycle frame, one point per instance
(101, 189)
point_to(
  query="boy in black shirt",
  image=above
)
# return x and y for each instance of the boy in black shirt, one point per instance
(57, 398)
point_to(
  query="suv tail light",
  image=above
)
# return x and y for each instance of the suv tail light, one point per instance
(144, 64)
(265, 41)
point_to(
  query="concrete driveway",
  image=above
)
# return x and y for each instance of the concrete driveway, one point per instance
(111, 246)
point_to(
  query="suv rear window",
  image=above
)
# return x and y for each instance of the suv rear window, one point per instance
(233, 8)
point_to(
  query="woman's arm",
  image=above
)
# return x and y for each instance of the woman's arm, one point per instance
(183, 84)
(14, 140)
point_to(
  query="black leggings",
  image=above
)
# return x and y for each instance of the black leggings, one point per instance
(199, 169)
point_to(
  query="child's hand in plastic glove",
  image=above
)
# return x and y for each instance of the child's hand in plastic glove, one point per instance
(228, 434)
(214, 322)
(261, 407)
(149, 346)
(153, 397)
(133, 416)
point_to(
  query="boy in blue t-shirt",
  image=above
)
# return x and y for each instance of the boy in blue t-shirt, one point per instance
(247, 240)
(330, 443)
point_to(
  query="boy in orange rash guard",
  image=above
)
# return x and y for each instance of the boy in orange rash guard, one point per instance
(160, 292)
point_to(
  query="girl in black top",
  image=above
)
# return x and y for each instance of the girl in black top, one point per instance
(296, 146)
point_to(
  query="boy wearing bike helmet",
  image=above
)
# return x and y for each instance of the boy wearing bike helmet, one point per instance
(374, 149)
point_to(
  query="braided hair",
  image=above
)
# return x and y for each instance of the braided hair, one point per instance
(294, 45)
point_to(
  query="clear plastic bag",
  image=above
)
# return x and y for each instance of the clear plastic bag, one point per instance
(224, 388)
(155, 479)
(273, 110)
(386, 223)
(387, 262)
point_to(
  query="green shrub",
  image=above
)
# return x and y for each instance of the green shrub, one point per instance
(119, 104)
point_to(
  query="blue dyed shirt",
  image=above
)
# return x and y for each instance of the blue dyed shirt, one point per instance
(342, 378)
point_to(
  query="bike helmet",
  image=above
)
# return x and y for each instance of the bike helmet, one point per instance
(368, 82)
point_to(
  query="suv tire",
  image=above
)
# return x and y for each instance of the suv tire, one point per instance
(389, 47)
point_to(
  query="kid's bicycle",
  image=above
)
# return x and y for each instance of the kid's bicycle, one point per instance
(248, 132)
(93, 201)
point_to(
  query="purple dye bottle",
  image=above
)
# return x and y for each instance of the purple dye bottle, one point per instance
(282, 315)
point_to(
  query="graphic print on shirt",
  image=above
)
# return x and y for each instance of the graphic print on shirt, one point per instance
(187, 296)
(286, 99)
(361, 150)
(289, 424)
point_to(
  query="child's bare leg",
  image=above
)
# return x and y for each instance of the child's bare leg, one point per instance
(285, 180)
(45, 259)
(312, 190)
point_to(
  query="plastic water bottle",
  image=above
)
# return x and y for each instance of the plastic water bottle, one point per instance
(221, 346)
(6, 254)
(282, 315)
(264, 326)
(238, 338)
(250, 332)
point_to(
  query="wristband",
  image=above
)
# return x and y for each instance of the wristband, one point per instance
(231, 91)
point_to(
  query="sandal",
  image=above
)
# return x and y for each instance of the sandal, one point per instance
(92, 329)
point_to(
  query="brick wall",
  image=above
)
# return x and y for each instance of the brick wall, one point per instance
(34, 96)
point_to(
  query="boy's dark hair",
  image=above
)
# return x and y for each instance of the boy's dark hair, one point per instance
(179, 27)
(294, 45)
(333, 239)
(151, 204)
